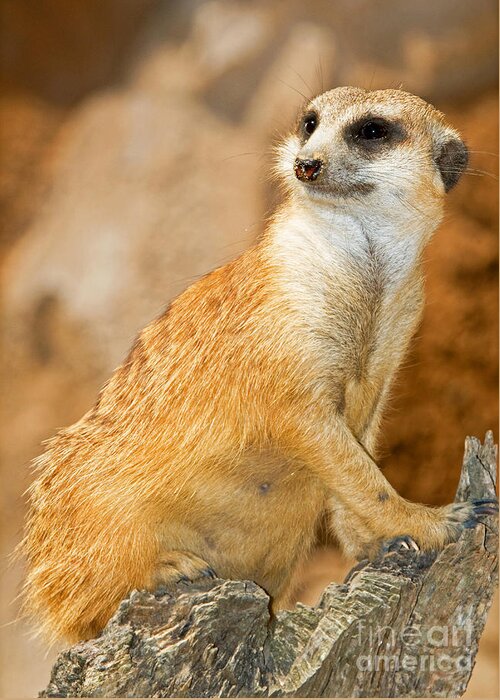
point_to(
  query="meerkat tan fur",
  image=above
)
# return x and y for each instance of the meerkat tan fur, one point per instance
(250, 409)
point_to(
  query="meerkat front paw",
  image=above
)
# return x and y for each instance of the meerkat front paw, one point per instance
(180, 567)
(431, 528)
(446, 525)
(439, 526)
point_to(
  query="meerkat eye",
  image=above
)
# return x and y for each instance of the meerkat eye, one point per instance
(309, 123)
(372, 130)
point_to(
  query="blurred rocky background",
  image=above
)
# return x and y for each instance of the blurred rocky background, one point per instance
(135, 147)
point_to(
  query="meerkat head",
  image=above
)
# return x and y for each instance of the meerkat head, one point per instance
(360, 148)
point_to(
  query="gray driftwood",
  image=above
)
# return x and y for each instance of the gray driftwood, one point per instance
(408, 625)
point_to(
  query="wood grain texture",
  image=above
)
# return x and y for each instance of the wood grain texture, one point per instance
(407, 625)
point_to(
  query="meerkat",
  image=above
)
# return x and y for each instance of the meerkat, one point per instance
(249, 411)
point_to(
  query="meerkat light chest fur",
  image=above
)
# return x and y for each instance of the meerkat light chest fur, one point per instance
(249, 411)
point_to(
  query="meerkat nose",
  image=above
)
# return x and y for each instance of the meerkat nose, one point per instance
(307, 169)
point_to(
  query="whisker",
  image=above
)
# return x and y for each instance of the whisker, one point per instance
(320, 65)
(372, 78)
(239, 155)
(471, 171)
(294, 89)
(303, 80)
(484, 153)
(478, 171)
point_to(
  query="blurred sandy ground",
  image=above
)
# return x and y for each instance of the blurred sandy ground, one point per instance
(135, 140)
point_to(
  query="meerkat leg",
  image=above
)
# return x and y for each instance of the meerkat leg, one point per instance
(176, 566)
(348, 529)
(378, 511)
(370, 434)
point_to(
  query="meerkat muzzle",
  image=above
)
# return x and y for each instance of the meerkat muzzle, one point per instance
(307, 169)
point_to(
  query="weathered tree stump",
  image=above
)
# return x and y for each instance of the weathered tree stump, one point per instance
(407, 625)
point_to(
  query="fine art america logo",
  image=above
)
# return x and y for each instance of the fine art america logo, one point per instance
(444, 648)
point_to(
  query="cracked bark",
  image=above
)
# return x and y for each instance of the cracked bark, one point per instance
(405, 626)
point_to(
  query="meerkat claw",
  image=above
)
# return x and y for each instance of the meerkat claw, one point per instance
(488, 505)
(204, 573)
(481, 506)
(356, 569)
(160, 591)
(399, 544)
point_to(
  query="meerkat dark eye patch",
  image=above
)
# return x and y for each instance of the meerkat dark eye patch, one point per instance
(309, 124)
(371, 134)
(452, 161)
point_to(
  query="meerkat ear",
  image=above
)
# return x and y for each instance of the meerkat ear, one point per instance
(451, 160)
